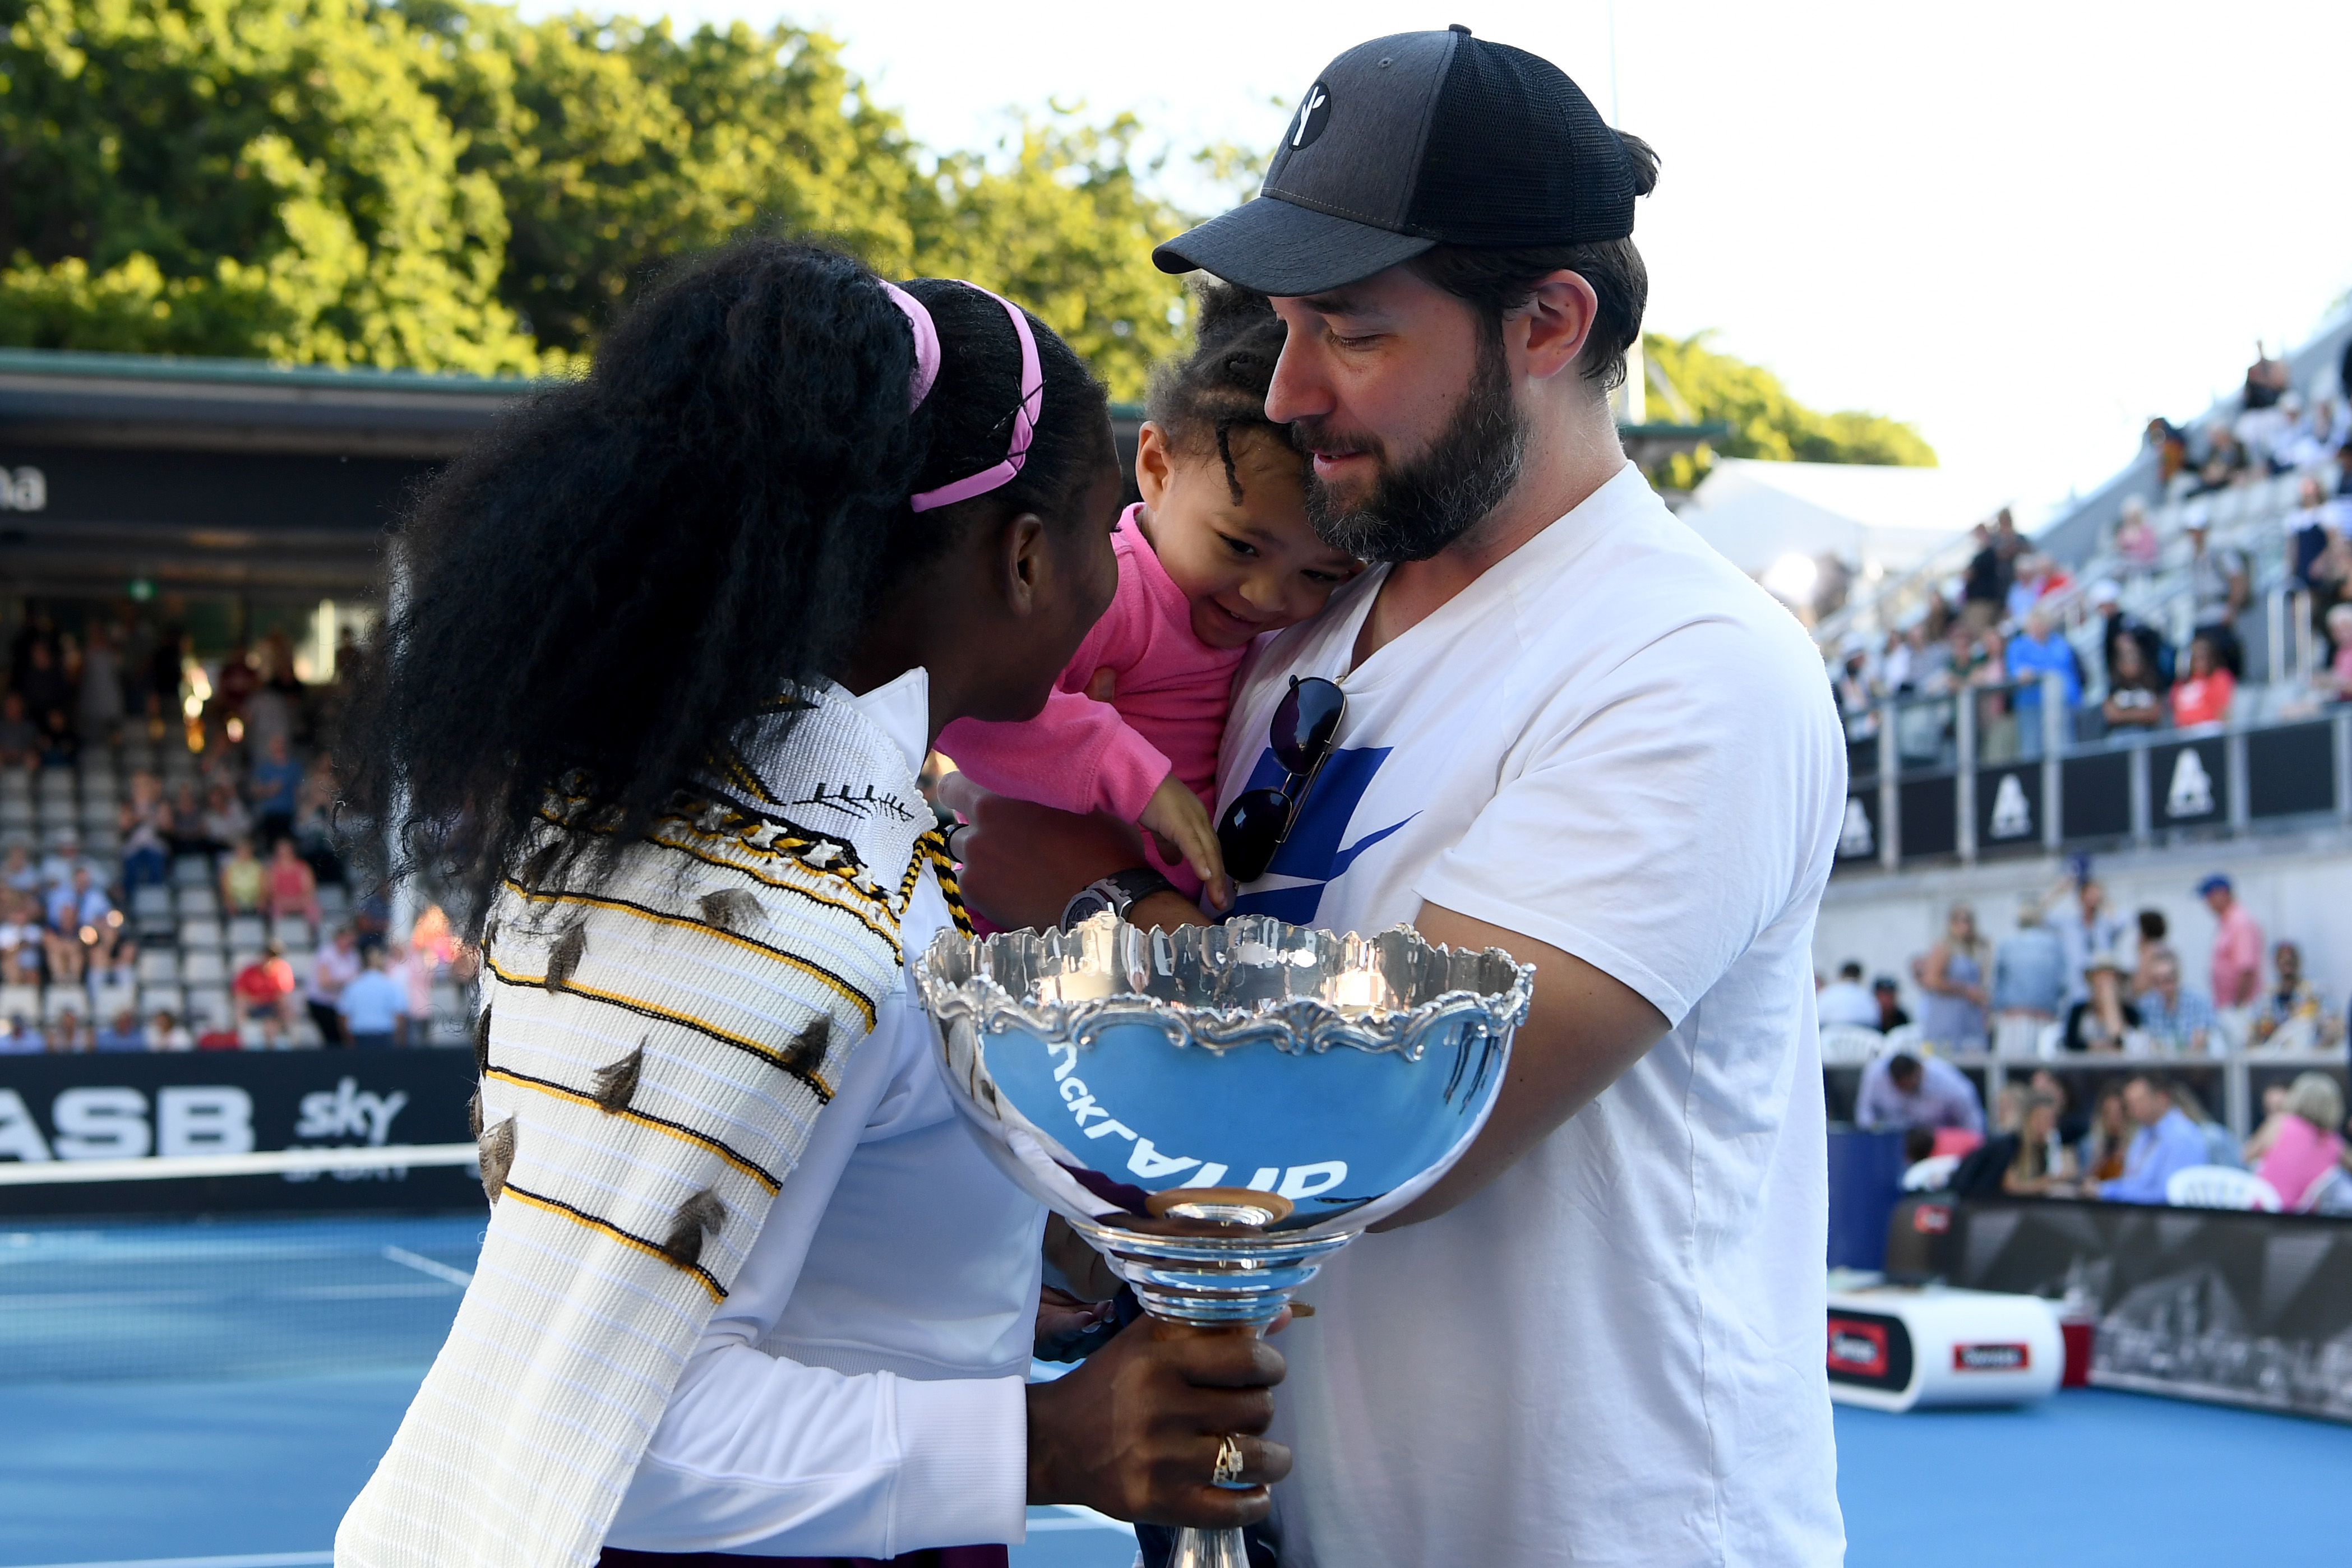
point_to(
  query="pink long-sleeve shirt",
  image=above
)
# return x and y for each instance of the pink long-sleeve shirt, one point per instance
(1167, 714)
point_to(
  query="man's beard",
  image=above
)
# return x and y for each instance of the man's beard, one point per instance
(1417, 508)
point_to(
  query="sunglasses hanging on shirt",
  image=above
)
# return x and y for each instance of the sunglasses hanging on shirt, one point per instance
(1256, 824)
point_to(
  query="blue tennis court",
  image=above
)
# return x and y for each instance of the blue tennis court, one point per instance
(215, 1394)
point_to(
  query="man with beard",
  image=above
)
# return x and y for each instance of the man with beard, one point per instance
(1571, 731)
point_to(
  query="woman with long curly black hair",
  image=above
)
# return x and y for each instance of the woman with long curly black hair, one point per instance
(674, 643)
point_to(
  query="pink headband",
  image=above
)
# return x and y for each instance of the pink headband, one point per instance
(926, 371)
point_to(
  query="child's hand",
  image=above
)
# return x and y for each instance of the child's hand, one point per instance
(1181, 823)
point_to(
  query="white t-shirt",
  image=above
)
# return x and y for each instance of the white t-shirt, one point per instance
(1615, 743)
(1846, 1002)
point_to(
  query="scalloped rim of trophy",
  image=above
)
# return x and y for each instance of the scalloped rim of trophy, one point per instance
(987, 998)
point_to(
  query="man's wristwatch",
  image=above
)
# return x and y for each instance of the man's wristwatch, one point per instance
(1118, 892)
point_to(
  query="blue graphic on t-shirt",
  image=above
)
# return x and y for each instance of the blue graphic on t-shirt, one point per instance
(1312, 851)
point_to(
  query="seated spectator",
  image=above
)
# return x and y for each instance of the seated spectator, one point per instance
(263, 989)
(111, 956)
(80, 902)
(2170, 443)
(1903, 1090)
(2335, 679)
(2108, 1139)
(2029, 969)
(1887, 997)
(293, 890)
(123, 1033)
(226, 818)
(21, 1039)
(2152, 932)
(2305, 1145)
(64, 858)
(314, 826)
(2136, 540)
(67, 1035)
(20, 739)
(273, 784)
(2026, 1162)
(166, 1032)
(2291, 1015)
(2036, 652)
(2135, 697)
(2175, 1018)
(2202, 695)
(2100, 1020)
(2315, 521)
(373, 1005)
(187, 834)
(146, 824)
(2220, 1144)
(1843, 1001)
(20, 941)
(17, 871)
(243, 881)
(2074, 1126)
(62, 956)
(2166, 1143)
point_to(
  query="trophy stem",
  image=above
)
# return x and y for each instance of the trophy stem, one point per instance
(1209, 1549)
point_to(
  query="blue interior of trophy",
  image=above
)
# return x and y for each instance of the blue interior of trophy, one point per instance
(1181, 1074)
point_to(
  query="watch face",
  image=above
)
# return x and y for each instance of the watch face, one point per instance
(1086, 906)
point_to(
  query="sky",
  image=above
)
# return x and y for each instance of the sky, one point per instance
(2022, 228)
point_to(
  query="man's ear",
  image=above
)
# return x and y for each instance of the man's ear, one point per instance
(1559, 322)
(1155, 466)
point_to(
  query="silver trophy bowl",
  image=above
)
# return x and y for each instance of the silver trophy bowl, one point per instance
(1217, 1109)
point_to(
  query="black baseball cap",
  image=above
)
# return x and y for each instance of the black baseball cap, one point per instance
(1413, 140)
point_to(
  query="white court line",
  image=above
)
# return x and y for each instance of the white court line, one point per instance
(264, 1560)
(425, 1265)
(266, 1162)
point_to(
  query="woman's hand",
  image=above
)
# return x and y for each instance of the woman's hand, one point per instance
(1134, 1431)
(1064, 1321)
(1022, 862)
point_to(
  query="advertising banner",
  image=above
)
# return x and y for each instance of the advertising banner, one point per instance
(2239, 1309)
(108, 1107)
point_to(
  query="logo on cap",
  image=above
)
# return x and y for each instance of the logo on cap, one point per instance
(1314, 114)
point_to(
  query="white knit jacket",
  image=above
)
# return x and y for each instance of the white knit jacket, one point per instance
(653, 1055)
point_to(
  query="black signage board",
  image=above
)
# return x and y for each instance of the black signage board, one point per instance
(2291, 770)
(2008, 808)
(2094, 795)
(246, 492)
(194, 1102)
(2189, 784)
(1930, 816)
(2212, 1304)
(1861, 760)
(1861, 834)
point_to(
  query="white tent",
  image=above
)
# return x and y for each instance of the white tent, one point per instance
(1866, 515)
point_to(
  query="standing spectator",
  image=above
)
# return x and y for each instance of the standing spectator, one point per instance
(371, 1005)
(2291, 1015)
(1953, 975)
(1843, 1001)
(1986, 587)
(2166, 1143)
(145, 821)
(2152, 932)
(20, 738)
(237, 679)
(2037, 650)
(2029, 969)
(243, 881)
(334, 966)
(45, 693)
(2175, 1016)
(2335, 680)
(2203, 696)
(1901, 1091)
(166, 1032)
(123, 1033)
(1887, 995)
(98, 700)
(263, 989)
(275, 784)
(293, 889)
(2085, 924)
(2218, 590)
(2237, 965)
(2304, 1145)
(2118, 625)
(2135, 697)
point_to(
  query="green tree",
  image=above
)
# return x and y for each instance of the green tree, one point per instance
(242, 177)
(1702, 386)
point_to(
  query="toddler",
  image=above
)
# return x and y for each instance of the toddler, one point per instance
(1218, 551)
